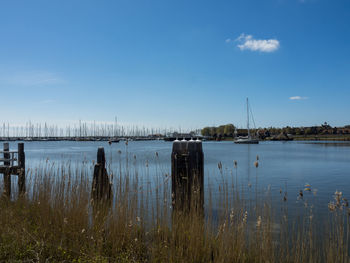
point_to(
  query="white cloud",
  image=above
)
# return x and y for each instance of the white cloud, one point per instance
(262, 45)
(298, 98)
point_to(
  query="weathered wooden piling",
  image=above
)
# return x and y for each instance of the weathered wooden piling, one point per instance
(187, 176)
(6, 170)
(9, 168)
(101, 186)
(21, 169)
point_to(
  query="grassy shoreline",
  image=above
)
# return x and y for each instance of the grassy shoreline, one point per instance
(57, 222)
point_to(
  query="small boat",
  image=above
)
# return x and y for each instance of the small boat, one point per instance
(247, 139)
(110, 141)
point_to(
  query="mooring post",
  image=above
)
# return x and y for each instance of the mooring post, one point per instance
(101, 187)
(22, 169)
(187, 176)
(7, 174)
(101, 159)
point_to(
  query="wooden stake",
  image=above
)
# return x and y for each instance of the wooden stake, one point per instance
(7, 174)
(101, 187)
(22, 169)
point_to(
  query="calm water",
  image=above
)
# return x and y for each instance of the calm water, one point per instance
(282, 165)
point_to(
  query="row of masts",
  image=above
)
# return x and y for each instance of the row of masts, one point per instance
(81, 129)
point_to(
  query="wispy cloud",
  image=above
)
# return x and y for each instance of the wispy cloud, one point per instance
(31, 78)
(298, 98)
(48, 101)
(247, 42)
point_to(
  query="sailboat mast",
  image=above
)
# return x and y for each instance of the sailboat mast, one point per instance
(248, 119)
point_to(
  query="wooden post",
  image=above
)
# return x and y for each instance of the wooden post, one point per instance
(187, 176)
(101, 159)
(22, 169)
(101, 187)
(7, 174)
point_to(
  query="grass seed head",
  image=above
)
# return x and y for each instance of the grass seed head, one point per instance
(331, 206)
(301, 194)
(258, 222)
(220, 166)
(235, 163)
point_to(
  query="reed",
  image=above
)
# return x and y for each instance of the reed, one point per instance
(56, 221)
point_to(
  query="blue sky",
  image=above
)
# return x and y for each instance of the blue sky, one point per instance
(177, 63)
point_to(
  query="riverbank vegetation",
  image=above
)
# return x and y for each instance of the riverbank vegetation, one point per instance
(57, 222)
(321, 132)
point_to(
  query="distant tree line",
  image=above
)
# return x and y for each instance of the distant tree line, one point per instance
(220, 131)
(228, 130)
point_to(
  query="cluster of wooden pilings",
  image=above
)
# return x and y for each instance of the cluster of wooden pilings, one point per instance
(13, 164)
(187, 174)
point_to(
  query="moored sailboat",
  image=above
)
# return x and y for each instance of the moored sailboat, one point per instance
(247, 139)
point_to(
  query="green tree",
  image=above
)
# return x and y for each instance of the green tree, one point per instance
(205, 131)
(229, 129)
(220, 130)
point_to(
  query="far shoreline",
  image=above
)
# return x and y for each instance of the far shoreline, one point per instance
(328, 137)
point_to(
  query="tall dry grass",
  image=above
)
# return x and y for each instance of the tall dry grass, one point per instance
(56, 221)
